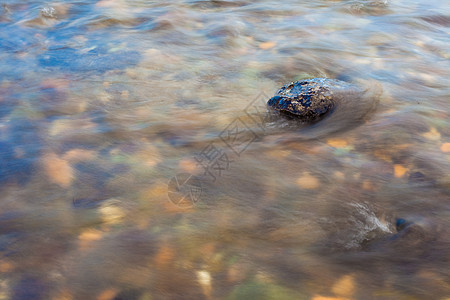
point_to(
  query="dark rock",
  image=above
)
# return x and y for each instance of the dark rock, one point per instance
(309, 99)
(338, 106)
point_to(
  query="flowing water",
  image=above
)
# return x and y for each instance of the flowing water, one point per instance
(139, 161)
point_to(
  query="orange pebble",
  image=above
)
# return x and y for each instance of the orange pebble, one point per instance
(308, 182)
(164, 256)
(87, 237)
(445, 147)
(345, 286)
(267, 45)
(188, 165)
(318, 297)
(6, 267)
(337, 143)
(400, 171)
(433, 134)
(108, 294)
(368, 185)
(77, 155)
(58, 170)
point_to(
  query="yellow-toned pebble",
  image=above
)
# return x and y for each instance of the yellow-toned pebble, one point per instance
(58, 170)
(77, 155)
(55, 83)
(267, 45)
(111, 212)
(433, 134)
(156, 191)
(86, 238)
(90, 235)
(164, 256)
(149, 157)
(337, 143)
(108, 294)
(65, 127)
(339, 175)
(400, 171)
(380, 154)
(368, 185)
(445, 147)
(318, 297)
(125, 94)
(279, 153)
(188, 165)
(344, 287)
(6, 266)
(204, 278)
(308, 181)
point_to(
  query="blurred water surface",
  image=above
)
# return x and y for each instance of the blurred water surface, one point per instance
(138, 160)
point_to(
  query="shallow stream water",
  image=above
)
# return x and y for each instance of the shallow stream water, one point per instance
(139, 161)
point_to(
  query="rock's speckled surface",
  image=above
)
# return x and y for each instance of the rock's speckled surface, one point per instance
(309, 99)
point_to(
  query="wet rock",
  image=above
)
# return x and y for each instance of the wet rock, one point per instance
(336, 104)
(307, 99)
